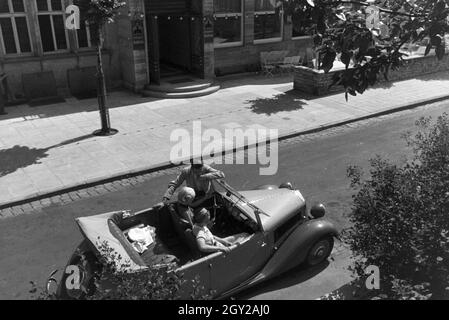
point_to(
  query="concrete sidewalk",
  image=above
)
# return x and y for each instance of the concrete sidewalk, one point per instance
(50, 148)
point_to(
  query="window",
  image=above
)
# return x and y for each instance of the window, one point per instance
(267, 21)
(298, 30)
(85, 37)
(14, 29)
(228, 24)
(51, 20)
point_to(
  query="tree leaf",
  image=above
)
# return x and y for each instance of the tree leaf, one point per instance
(317, 39)
(321, 25)
(352, 92)
(438, 8)
(328, 60)
(436, 28)
(346, 57)
(436, 40)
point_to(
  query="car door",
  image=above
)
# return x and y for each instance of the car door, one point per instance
(231, 269)
(199, 271)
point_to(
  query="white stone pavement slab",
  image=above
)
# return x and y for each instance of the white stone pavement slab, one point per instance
(48, 148)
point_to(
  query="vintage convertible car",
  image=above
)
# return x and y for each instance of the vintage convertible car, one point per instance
(276, 234)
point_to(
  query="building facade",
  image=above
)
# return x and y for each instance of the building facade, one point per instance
(148, 40)
(218, 37)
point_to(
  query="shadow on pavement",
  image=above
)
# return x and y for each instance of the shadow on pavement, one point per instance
(293, 277)
(288, 101)
(19, 157)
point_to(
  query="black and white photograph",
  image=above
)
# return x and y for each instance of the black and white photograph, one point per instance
(245, 151)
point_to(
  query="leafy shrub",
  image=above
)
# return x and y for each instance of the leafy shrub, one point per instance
(400, 217)
(111, 282)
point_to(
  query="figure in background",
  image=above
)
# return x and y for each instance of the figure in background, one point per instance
(197, 176)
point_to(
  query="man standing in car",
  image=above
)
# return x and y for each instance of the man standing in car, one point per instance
(197, 176)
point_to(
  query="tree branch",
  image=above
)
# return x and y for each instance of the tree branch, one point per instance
(411, 15)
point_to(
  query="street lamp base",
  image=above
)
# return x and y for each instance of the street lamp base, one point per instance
(108, 132)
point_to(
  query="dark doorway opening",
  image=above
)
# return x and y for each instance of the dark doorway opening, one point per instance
(175, 45)
(169, 43)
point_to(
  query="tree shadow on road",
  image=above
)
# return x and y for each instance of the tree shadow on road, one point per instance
(19, 157)
(287, 101)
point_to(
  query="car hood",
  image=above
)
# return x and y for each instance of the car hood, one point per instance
(278, 204)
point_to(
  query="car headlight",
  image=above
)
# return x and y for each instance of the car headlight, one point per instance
(318, 210)
(286, 185)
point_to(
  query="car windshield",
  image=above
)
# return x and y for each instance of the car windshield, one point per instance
(249, 209)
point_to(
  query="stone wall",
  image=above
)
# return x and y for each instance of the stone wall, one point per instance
(131, 34)
(60, 67)
(316, 82)
(59, 64)
(124, 56)
(208, 34)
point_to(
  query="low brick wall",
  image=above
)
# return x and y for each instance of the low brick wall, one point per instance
(316, 82)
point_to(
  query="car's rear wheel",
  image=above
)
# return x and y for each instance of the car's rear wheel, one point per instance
(86, 266)
(320, 251)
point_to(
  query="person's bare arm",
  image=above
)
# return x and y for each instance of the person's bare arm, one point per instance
(199, 201)
(223, 241)
(204, 247)
(211, 173)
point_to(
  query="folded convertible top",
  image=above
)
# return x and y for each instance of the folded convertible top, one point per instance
(102, 231)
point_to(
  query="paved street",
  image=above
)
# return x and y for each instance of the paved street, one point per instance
(49, 148)
(36, 238)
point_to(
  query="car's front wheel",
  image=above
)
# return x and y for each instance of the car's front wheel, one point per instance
(320, 251)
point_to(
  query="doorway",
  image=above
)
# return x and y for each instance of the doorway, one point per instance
(175, 46)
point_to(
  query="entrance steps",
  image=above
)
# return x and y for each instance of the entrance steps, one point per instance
(179, 87)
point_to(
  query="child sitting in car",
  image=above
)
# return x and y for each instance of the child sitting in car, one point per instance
(206, 241)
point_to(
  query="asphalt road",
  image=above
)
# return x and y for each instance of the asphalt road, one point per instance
(33, 245)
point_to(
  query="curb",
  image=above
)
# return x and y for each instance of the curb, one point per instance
(168, 165)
